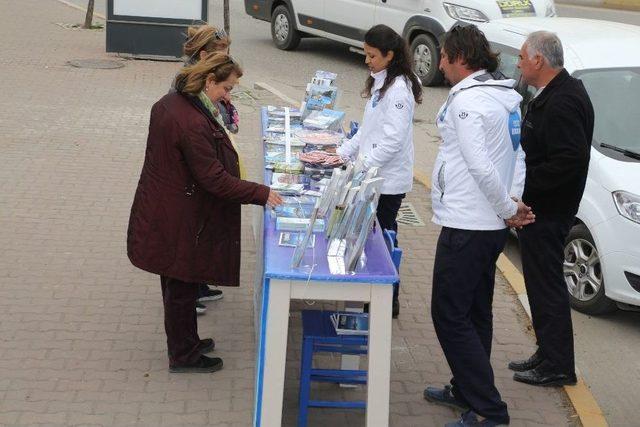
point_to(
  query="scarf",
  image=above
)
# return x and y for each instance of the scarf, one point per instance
(215, 112)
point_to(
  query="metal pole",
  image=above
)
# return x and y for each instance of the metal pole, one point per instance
(225, 8)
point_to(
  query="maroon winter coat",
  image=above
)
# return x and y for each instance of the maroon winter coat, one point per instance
(185, 218)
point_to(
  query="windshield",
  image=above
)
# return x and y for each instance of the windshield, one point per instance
(615, 95)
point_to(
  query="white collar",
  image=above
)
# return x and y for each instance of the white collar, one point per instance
(467, 81)
(379, 79)
(538, 92)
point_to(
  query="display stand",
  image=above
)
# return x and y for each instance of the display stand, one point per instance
(150, 28)
(278, 284)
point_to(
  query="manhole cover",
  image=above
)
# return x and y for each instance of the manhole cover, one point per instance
(407, 215)
(100, 64)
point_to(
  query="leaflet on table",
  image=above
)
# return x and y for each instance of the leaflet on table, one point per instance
(295, 167)
(324, 120)
(293, 239)
(319, 97)
(278, 140)
(298, 253)
(294, 211)
(324, 78)
(319, 137)
(348, 323)
(298, 224)
(288, 178)
(278, 113)
(288, 189)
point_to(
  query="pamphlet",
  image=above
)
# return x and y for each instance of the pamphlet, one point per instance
(349, 323)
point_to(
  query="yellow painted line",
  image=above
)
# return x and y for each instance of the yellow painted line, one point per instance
(580, 396)
(84, 9)
(623, 4)
(585, 404)
(511, 273)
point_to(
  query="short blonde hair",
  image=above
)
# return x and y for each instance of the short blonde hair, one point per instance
(205, 38)
(219, 66)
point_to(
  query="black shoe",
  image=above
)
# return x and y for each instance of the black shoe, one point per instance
(443, 396)
(544, 375)
(210, 295)
(395, 309)
(203, 365)
(206, 345)
(524, 365)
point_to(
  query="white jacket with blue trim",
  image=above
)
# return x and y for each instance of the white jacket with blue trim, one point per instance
(385, 137)
(480, 163)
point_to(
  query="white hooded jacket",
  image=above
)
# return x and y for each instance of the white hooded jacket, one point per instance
(385, 137)
(479, 166)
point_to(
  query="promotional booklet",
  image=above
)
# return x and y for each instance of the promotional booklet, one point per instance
(291, 239)
(349, 323)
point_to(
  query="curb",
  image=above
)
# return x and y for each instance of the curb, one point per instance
(84, 9)
(583, 402)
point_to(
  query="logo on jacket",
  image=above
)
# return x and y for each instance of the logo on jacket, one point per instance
(399, 105)
(463, 115)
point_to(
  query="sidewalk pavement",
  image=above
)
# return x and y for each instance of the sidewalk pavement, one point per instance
(81, 330)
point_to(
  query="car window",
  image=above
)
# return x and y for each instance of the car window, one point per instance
(615, 95)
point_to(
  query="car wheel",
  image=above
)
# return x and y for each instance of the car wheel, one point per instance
(283, 31)
(427, 60)
(583, 273)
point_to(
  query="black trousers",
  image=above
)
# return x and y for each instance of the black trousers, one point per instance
(180, 321)
(542, 251)
(387, 212)
(461, 301)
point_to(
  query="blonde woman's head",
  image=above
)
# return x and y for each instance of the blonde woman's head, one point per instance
(205, 39)
(216, 74)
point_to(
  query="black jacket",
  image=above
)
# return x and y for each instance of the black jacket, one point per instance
(556, 137)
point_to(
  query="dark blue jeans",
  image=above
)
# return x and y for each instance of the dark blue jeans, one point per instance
(461, 302)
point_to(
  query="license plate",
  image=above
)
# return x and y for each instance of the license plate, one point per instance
(513, 8)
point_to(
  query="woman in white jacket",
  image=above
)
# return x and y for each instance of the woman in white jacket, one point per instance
(385, 137)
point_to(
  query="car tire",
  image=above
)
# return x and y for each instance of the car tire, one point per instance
(427, 60)
(583, 273)
(283, 29)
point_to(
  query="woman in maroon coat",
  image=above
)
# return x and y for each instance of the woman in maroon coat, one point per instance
(185, 218)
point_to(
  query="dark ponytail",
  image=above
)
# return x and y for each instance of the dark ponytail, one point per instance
(385, 40)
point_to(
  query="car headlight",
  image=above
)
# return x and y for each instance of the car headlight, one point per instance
(464, 13)
(551, 10)
(628, 205)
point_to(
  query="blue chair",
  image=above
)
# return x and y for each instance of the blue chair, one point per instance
(319, 335)
(396, 257)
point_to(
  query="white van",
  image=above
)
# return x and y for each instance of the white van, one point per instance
(421, 22)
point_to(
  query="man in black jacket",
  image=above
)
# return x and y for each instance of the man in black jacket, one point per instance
(556, 137)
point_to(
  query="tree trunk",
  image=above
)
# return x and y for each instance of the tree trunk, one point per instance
(225, 8)
(88, 20)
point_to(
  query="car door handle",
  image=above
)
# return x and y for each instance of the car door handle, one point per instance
(384, 1)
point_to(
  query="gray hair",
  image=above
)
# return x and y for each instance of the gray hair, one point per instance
(548, 45)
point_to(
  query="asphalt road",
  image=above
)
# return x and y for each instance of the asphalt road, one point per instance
(607, 348)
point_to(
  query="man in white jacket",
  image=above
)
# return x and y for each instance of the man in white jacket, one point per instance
(477, 180)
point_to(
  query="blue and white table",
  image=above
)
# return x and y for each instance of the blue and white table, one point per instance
(280, 284)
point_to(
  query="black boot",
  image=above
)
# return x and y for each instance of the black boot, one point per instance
(202, 365)
(545, 375)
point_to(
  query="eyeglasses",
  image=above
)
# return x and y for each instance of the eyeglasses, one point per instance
(220, 34)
